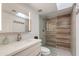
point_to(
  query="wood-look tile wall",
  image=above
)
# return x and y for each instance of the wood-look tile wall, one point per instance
(51, 31)
(58, 31)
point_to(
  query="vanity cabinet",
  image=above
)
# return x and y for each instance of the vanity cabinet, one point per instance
(33, 50)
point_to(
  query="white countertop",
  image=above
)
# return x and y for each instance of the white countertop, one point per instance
(11, 49)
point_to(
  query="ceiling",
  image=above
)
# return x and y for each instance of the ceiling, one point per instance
(49, 10)
(46, 7)
(52, 9)
(14, 8)
(61, 6)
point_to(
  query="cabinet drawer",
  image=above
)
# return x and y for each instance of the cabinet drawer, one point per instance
(29, 51)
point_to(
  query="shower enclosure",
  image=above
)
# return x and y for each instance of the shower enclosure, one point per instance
(55, 31)
(58, 31)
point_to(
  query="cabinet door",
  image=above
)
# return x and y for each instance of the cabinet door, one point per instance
(31, 51)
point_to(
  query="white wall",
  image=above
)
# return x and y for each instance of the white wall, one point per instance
(77, 34)
(34, 26)
(73, 32)
(77, 31)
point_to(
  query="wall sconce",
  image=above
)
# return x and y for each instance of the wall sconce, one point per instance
(29, 23)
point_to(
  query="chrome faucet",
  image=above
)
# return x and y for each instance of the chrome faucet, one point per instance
(19, 37)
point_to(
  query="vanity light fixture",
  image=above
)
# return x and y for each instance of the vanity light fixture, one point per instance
(22, 15)
(29, 23)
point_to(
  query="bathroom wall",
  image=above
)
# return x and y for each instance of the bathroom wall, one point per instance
(63, 33)
(51, 31)
(77, 29)
(34, 25)
(58, 33)
(73, 32)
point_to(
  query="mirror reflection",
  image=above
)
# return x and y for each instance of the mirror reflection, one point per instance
(14, 18)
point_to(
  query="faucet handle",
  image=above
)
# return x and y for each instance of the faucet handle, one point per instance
(19, 36)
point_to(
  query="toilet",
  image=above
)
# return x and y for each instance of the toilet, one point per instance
(45, 51)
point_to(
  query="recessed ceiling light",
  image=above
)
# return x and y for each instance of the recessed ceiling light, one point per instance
(40, 10)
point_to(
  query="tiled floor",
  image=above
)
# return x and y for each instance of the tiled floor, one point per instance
(59, 51)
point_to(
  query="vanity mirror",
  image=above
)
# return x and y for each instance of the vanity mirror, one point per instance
(15, 18)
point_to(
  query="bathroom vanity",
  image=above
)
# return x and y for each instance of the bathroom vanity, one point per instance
(29, 47)
(17, 20)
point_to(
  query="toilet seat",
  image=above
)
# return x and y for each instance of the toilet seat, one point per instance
(45, 51)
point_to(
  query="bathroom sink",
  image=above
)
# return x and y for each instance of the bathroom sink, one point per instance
(17, 46)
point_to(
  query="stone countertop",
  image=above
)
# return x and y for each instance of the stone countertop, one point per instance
(11, 49)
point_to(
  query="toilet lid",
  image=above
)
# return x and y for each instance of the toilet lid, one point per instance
(45, 51)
